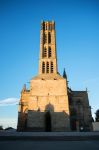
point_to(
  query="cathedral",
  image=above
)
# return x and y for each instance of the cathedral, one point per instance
(49, 104)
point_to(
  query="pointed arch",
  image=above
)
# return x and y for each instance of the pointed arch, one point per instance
(45, 38)
(52, 67)
(43, 67)
(49, 52)
(47, 67)
(49, 37)
(44, 53)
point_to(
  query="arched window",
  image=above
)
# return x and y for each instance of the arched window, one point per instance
(49, 52)
(49, 37)
(45, 38)
(43, 67)
(51, 67)
(47, 67)
(44, 54)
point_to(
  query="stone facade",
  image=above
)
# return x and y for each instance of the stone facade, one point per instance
(80, 111)
(49, 104)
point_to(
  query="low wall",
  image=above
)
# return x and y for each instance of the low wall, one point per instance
(95, 126)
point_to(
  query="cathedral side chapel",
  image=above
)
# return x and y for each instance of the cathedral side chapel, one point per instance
(49, 104)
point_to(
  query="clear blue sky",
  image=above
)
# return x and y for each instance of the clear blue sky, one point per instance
(77, 33)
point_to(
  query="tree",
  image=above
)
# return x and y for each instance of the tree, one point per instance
(97, 115)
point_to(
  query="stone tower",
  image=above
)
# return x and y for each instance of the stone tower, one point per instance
(48, 59)
(45, 106)
(49, 104)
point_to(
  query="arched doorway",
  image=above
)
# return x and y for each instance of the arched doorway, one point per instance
(48, 122)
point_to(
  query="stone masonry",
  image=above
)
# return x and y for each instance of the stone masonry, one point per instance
(49, 104)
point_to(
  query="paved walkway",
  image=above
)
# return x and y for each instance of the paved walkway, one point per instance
(43, 136)
(49, 145)
(10, 133)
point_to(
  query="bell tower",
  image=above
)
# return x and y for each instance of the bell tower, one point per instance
(47, 58)
(45, 107)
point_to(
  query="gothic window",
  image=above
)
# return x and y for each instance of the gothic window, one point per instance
(45, 38)
(43, 67)
(49, 52)
(44, 52)
(47, 67)
(49, 37)
(51, 67)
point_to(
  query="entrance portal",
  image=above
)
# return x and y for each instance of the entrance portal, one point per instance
(48, 122)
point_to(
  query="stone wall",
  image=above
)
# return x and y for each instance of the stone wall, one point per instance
(36, 121)
(95, 126)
